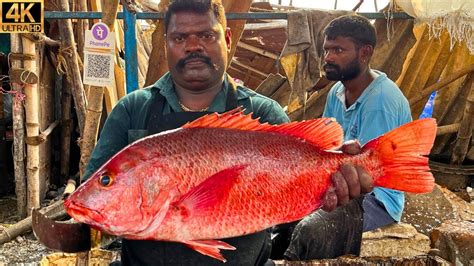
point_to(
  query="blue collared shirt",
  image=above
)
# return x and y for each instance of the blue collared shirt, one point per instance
(379, 109)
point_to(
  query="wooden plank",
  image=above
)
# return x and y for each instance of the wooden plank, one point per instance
(237, 63)
(257, 50)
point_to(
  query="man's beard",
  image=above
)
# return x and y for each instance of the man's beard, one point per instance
(182, 62)
(351, 71)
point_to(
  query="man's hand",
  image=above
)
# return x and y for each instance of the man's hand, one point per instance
(350, 182)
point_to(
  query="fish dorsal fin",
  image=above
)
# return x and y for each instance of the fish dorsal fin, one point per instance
(325, 133)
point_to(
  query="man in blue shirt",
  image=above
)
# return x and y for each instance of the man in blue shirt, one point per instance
(367, 104)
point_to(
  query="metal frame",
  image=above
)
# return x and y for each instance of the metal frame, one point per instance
(130, 40)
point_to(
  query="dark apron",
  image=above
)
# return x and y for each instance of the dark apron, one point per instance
(251, 249)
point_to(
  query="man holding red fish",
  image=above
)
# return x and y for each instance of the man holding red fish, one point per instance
(197, 48)
(367, 104)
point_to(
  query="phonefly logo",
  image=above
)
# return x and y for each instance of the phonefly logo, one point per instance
(21, 16)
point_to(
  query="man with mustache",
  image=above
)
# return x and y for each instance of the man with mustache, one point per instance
(367, 104)
(197, 49)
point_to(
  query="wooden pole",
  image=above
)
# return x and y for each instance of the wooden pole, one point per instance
(46, 94)
(437, 86)
(32, 128)
(73, 72)
(452, 114)
(236, 26)
(158, 66)
(66, 129)
(448, 129)
(465, 130)
(82, 26)
(18, 132)
(53, 211)
(96, 96)
(3, 145)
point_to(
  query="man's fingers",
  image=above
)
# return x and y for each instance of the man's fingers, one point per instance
(351, 147)
(340, 185)
(352, 179)
(330, 200)
(366, 181)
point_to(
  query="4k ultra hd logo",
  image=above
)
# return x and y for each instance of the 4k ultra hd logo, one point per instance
(21, 16)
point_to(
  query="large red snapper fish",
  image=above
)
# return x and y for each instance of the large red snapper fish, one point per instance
(228, 175)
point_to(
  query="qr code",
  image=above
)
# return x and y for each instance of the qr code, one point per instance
(98, 66)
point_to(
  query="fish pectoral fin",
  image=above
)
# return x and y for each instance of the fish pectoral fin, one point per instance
(209, 193)
(211, 248)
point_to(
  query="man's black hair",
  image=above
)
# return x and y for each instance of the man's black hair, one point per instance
(198, 7)
(355, 27)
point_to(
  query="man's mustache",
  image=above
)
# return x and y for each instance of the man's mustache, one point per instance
(182, 62)
(327, 65)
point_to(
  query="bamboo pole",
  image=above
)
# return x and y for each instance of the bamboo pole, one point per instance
(32, 110)
(467, 125)
(18, 132)
(66, 129)
(96, 97)
(73, 72)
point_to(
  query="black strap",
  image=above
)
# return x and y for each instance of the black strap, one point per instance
(156, 122)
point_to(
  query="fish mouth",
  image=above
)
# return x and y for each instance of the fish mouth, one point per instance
(82, 213)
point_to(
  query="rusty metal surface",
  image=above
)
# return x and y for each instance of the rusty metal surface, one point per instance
(61, 236)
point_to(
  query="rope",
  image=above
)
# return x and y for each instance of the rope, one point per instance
(18, 95)
(61, 68)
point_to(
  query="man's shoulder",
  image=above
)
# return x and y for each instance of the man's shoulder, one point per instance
(267, 109)
(244, 92)
(139, 96)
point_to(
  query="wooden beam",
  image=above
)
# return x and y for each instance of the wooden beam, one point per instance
(278, 24)
(437, 86)
(243, 73)
(257, 50)
(443, 130)
(249, 68)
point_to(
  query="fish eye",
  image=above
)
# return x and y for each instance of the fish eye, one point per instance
(105, 180)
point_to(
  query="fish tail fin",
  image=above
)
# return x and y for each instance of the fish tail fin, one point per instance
(402, 153)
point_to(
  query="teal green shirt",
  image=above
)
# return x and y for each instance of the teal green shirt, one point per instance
(127, 121)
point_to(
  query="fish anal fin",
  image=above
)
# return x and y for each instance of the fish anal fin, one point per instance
(209, 193)
(209, 248)
(325, 133)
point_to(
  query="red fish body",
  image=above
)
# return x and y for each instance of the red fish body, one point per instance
(227, 175)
